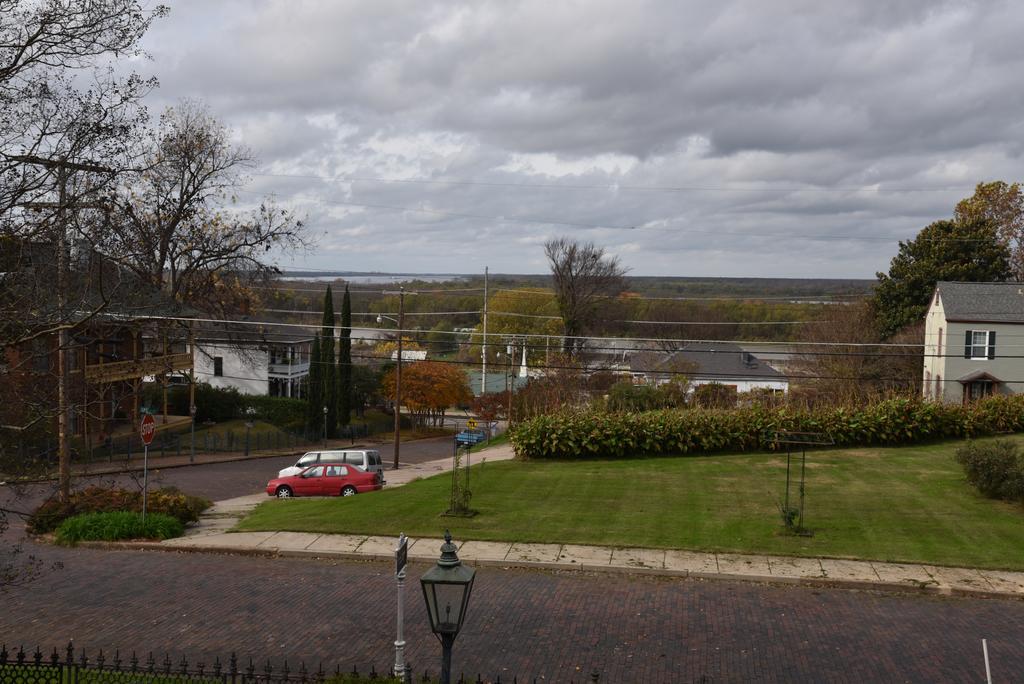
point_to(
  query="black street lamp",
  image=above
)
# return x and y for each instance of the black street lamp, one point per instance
(325, 428)
(446, 589)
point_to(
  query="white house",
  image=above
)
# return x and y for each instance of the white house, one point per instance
(973, 334)
(276, 365)
(704, 363)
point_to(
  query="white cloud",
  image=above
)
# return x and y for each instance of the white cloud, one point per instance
(729, 133)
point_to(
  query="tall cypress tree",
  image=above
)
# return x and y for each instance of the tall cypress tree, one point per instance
(345, 361)
(328, 363)
(315, 391)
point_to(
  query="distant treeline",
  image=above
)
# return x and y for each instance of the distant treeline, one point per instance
(750, 308)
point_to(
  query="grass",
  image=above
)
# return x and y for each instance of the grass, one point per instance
(117, 525)
(907, 504)
(259, 427)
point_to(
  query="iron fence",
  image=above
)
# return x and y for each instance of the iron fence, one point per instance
(71, 667)
(126, 447)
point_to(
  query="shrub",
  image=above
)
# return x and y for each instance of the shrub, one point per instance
(116, 525)
(995, 468)
(284, 412)
(169, 500)
(715, 395)
(704, 430)
(625, 396)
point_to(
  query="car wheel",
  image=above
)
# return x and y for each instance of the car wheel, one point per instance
(284, 492)
(349, 490)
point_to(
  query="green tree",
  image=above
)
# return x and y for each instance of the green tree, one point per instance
(328, 363)
(1002, 205)
(969, 251)
(365, 387)
(315, 391)
(345, 361)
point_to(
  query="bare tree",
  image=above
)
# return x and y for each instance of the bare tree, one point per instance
(60, 100)
(583, 276)
(173, 226)
(68, 125)
(836, 374)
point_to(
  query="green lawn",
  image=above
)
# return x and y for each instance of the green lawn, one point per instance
(906, 504)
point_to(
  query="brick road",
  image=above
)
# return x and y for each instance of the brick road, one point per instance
(633, 629)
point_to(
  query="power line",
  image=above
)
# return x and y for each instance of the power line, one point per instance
(539, 316)
(373, 313)
(724, 298)
(639, 226)
(611, 186)
(659, 371)
(305, 326)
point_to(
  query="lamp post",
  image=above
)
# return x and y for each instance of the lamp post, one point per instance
(192, 454)
(249, 413)
(325, 428)
(446, 590)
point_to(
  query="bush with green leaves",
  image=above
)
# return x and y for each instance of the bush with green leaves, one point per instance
(118, 525)
(93, 499)
(626, 396)
(996, 468)
(220, 404)
(594, 434)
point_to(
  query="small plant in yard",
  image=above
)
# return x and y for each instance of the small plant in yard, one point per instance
(461, 495)
(94, 499)
(995, 468)
(118, 525)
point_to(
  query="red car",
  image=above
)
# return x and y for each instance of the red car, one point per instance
(325, 480)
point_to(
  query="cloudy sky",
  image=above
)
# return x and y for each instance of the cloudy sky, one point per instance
(754, 138)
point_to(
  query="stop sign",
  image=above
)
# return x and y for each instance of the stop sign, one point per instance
(148, 429)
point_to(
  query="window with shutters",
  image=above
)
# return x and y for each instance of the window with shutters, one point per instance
(980, 344)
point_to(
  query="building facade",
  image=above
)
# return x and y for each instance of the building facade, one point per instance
(973, 334)
(276, 365)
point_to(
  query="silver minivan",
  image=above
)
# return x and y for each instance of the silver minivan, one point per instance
(367, 459)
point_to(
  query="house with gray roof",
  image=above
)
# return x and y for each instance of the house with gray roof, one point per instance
(973, 334)
(704, 363)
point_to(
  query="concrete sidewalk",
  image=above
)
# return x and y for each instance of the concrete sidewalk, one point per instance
(213, 535)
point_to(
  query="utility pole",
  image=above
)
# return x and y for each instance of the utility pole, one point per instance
(64, 451)
(509, 379)
(62, 166)
(398, 375)
(483, 347)
(398, 371)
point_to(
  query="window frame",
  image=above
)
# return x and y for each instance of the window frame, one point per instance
(972, 346)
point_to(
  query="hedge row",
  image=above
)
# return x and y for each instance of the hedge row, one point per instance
(219, 404)
(699, 431)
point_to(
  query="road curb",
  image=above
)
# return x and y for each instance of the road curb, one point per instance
(816, 582)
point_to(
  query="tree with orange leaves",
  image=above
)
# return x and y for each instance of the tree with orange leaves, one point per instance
(429, 389)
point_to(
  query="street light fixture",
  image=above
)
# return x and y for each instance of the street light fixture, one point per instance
(446, 590)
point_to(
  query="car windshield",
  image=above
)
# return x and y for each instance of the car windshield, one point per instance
(307, 459)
